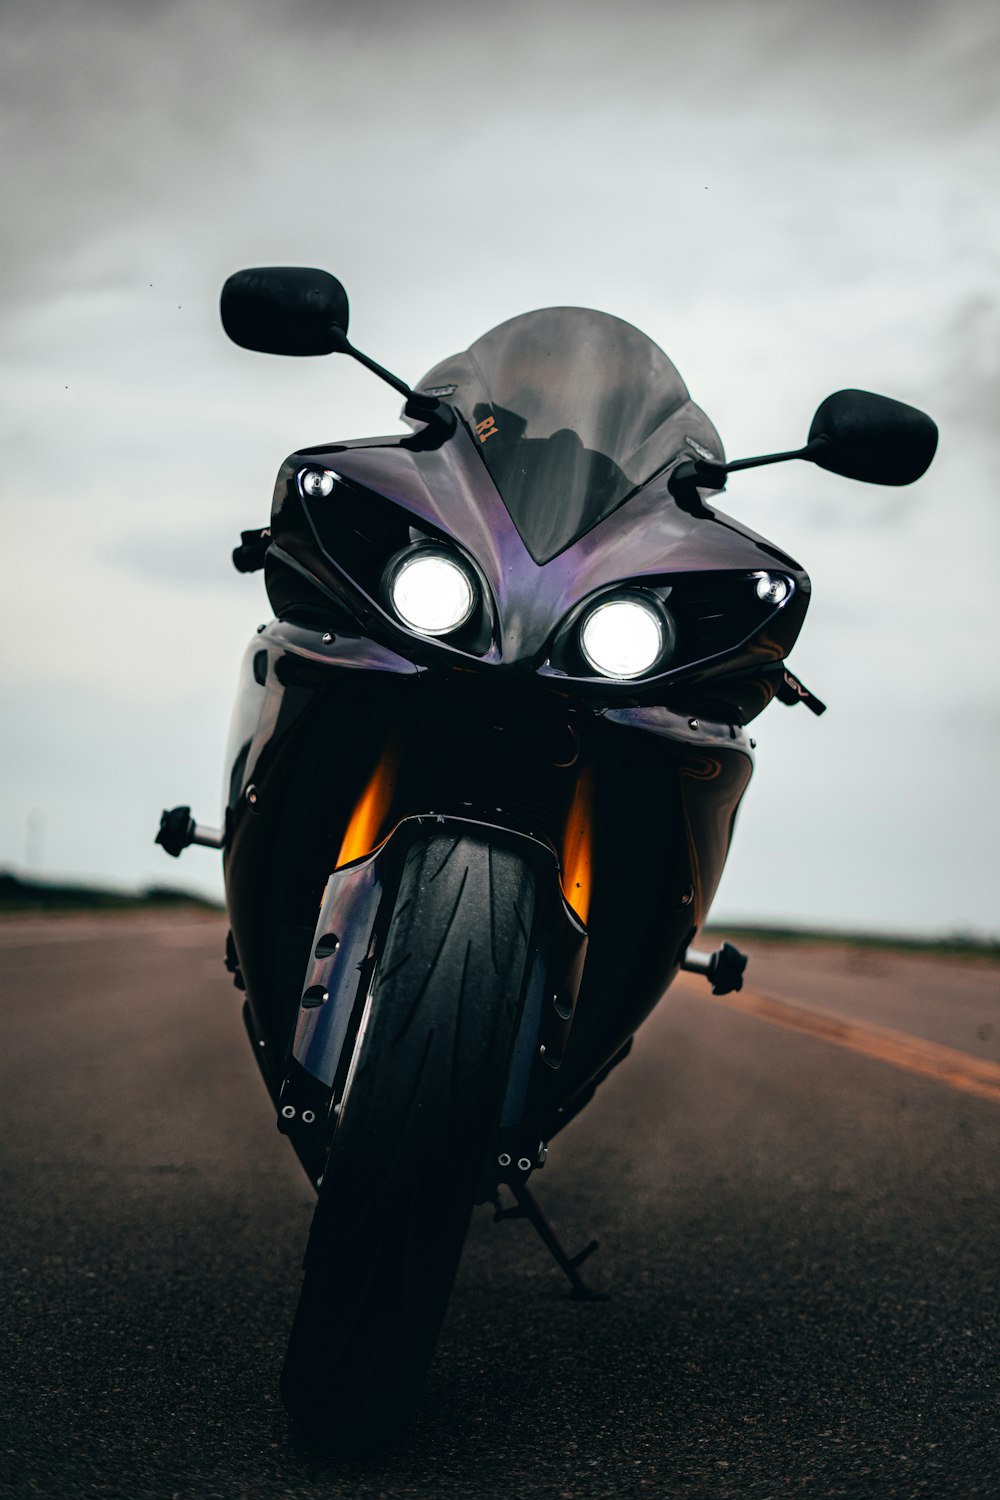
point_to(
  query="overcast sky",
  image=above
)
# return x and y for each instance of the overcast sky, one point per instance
(790, 197)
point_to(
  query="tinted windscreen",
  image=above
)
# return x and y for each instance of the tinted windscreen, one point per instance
(572, 410)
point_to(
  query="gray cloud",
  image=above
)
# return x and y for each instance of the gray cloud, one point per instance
(790, 196)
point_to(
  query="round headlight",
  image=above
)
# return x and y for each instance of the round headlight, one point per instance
(623, 638)
(431, 592)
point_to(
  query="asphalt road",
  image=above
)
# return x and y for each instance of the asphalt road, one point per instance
(801, 1239)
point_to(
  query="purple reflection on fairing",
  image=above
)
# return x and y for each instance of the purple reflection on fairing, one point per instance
(449, 489)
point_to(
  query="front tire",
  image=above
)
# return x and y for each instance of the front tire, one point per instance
(427, 1082)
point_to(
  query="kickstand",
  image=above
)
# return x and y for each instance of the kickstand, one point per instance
(527, 1208)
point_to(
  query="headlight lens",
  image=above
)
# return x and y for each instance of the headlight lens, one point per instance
(623, 638)
(431, 592)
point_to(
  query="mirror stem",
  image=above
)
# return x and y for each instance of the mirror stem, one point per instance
(702, 473)
(808, 452)
(424, 408)
(370, 364)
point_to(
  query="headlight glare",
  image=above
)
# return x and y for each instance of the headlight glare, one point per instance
(623, 637)
(431, 592)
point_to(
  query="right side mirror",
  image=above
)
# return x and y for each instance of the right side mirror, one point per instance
(285, 310)
(872, 438)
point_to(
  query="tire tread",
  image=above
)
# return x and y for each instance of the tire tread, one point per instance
(398, 1187)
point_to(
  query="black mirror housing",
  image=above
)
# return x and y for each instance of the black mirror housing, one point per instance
(285, 310)
(873, 438)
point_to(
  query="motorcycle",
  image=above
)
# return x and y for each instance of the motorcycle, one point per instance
(483, 772)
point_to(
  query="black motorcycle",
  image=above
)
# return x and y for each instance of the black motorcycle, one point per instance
(483, 772)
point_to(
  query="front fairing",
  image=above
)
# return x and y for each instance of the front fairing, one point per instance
(399, 488)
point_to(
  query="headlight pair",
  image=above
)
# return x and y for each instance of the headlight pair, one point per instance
(432, 592)
(623, 634)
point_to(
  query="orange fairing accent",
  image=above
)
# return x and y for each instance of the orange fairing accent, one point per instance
(368, 818)
(576, 846)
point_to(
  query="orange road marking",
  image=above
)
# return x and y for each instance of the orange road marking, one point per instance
(960, 1070)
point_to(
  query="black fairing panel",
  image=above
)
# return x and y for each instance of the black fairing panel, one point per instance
(313, 723)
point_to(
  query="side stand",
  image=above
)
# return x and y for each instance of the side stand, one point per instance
(527, 1207)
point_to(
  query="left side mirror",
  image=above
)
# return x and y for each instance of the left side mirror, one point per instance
(285, 310)
(872, 438)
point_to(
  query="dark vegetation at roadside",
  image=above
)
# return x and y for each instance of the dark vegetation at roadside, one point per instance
(20, 895)
(958, 945)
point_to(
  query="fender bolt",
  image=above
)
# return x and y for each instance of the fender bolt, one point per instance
(503, 1160)
(288, 1111)
(523, 1164)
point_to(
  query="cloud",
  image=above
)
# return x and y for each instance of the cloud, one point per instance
(790, 197)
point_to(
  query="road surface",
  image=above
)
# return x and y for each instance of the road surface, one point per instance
(796, 1200)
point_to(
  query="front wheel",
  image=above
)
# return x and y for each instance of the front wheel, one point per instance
(425, 1088)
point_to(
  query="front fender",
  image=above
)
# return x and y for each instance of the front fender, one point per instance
(349, 937)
